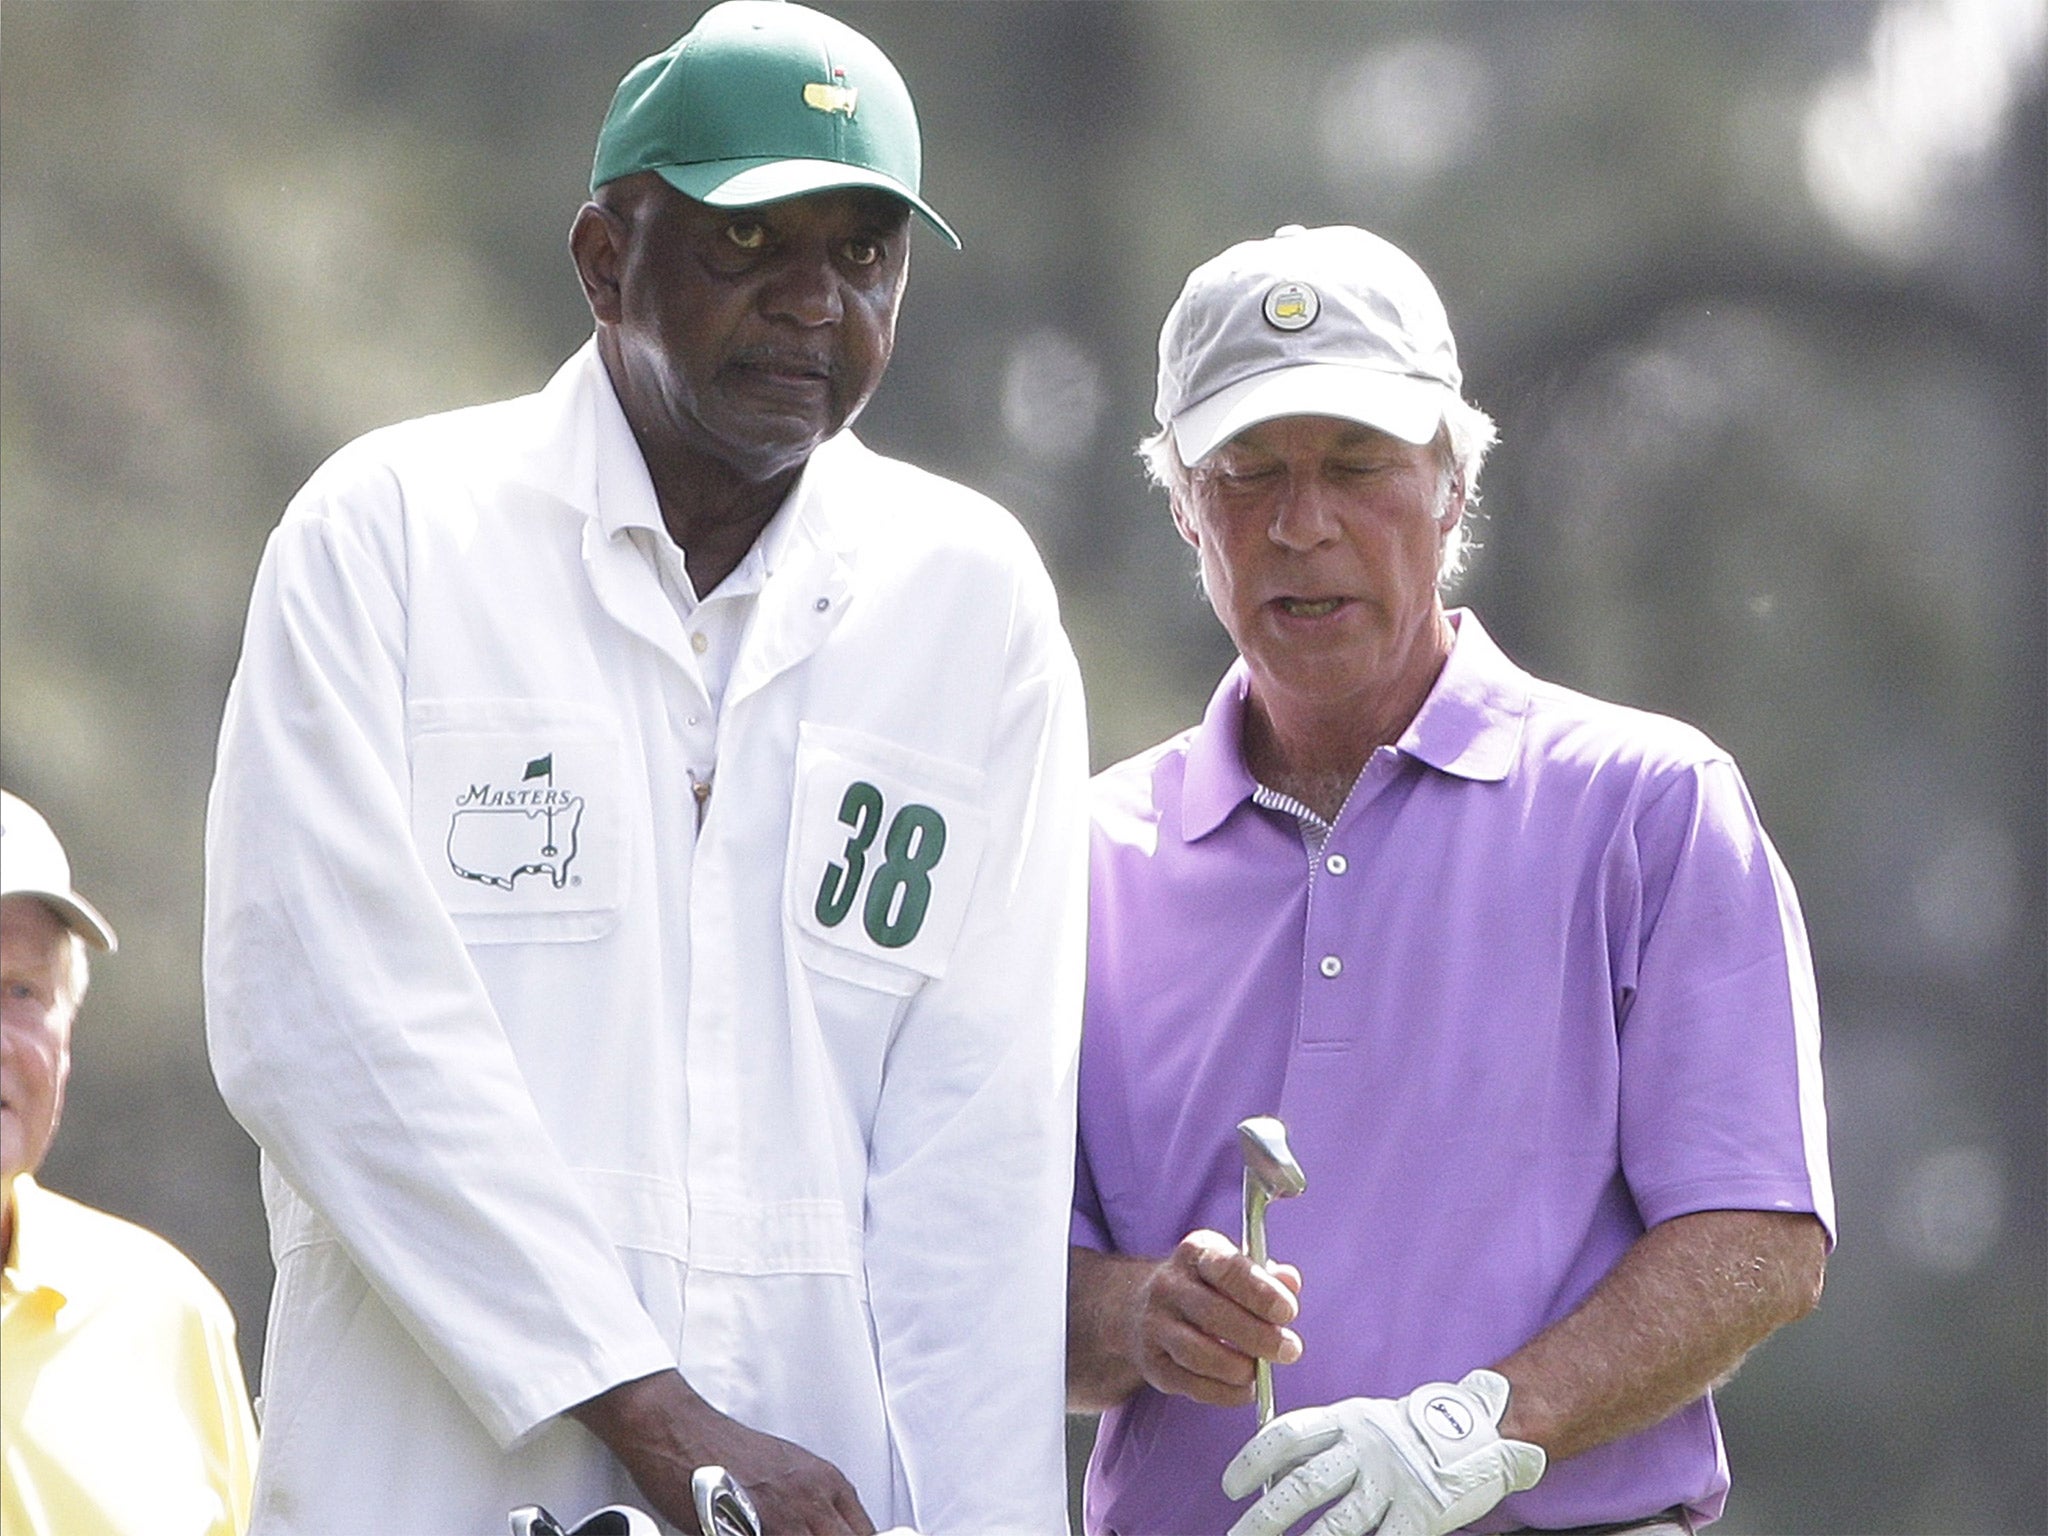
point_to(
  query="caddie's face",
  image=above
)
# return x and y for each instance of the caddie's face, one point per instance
(1319, 541)
(35, 1031)
(754, 334)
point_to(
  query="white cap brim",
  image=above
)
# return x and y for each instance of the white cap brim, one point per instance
(76, 913)
(1400, 405)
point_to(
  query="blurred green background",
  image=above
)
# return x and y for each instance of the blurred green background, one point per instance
(1755, 290)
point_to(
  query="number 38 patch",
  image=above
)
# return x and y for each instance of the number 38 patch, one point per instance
(883, 850)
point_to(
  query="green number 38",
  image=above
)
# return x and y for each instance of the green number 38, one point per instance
(901, 889)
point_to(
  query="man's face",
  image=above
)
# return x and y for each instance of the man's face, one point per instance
(751, 335)
(35, 1030)
(1319, 542)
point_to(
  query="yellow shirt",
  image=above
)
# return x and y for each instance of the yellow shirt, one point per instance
(124, 1408)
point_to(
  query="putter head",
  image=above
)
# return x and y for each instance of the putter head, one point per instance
(1267, 1160)
(723, 1508)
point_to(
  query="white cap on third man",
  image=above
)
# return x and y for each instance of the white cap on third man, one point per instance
(1308, 322)
(32, 863)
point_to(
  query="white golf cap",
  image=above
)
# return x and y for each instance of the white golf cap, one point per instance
(32, 863)
(1309, 322)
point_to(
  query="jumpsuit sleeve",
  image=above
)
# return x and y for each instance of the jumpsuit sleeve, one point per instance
(348, 1030)
(970, 1177)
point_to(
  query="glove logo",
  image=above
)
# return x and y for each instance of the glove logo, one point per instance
(1448, 1418)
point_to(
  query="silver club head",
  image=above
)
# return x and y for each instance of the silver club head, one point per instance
(1267, 1160)
(723, 1508)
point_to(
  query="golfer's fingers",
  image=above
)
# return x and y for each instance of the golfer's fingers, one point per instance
(1216, 1264)
(1305, 1475)
(1185, 1361)
(1198, 1342)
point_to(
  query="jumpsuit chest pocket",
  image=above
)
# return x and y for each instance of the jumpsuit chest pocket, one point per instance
(885, 845)
(518, 813)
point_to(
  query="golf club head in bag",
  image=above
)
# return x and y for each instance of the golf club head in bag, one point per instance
(612, 1520)
(723, 1508)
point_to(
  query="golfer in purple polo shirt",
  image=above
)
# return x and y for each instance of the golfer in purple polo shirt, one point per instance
(1518, 969)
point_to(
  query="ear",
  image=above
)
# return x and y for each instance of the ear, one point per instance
(597, 244)
(1184, 518)
(1452, 512)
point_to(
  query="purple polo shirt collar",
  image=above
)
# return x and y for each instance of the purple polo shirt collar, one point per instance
(1470, 726)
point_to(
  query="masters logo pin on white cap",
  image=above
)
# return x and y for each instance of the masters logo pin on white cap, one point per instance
(1308, 322)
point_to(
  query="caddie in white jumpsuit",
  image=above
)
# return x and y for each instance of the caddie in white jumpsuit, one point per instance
(645, 889)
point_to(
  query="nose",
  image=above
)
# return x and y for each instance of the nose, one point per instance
(804, 289)
(1304, 517)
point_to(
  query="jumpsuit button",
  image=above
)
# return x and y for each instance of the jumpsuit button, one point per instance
(1331, 966)
(1336, 863)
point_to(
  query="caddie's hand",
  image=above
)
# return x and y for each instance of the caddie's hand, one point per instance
(1205, 1313)
(662, 1431)
(1419, 1465)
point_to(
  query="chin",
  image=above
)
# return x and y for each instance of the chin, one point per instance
(773, 447)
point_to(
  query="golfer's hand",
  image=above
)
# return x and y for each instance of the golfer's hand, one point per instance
(1205, 1313)
(662, 1431)
(1420, 1465)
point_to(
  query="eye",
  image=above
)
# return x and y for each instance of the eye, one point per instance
(861, 251)
(747, 234)
(1229, 475)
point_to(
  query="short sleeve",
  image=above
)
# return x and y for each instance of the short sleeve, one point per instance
(1721, 1100)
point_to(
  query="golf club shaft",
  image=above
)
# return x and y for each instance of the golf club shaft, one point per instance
(1255, 1199)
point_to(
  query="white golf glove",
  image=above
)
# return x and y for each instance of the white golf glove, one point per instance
(1420, 1466)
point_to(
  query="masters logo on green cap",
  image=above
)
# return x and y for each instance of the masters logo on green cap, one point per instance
(764, 100)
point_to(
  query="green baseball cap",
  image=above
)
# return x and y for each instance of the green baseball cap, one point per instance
(764, 100)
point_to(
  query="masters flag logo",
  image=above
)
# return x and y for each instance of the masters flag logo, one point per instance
(496, 835)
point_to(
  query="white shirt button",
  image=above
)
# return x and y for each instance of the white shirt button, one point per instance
(1336, 863)
(700, 642)
(1331, 966)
